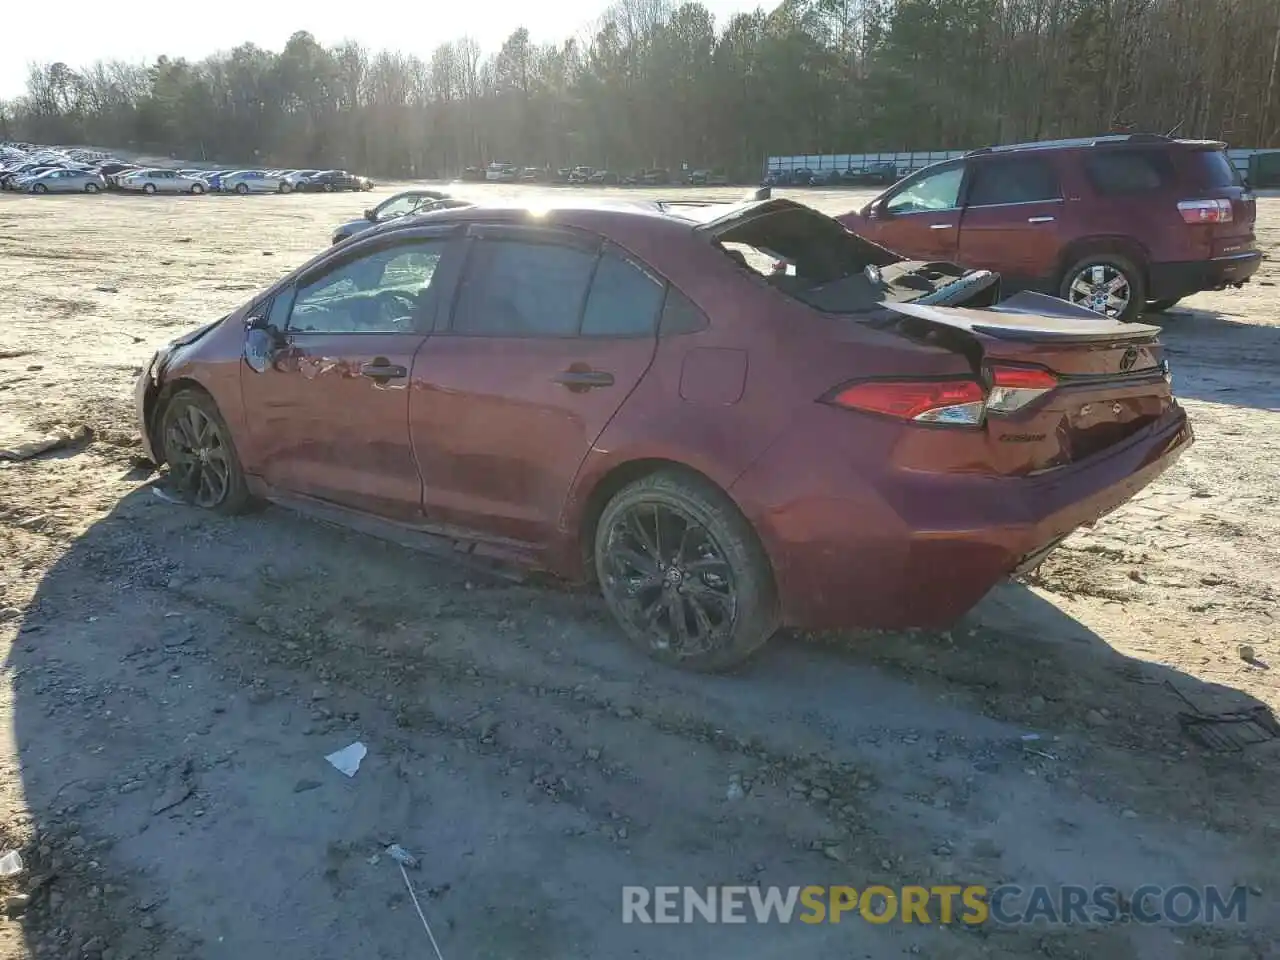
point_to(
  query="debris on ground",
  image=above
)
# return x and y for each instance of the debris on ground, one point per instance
(11, 864)
(347, 760)
(402, 856)
(62, 437)
(179, 787)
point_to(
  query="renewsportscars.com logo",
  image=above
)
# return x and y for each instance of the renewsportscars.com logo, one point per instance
(1007, 905)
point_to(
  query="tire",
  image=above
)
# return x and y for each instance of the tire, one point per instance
(149, 188)
(730, 598)
(1112, 265)
(39, 188)
(242, 188)
(328, 188)
(199, 449)
(285, 188)
(91, 188)
(1160, 306)
(196, 189)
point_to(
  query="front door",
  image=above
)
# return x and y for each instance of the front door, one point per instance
(329, 414)
(920, 220)
(549, 335)
(1012, 220)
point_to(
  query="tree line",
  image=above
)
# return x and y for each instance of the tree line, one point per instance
(654, 83)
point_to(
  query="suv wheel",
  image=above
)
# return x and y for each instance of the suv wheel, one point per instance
(1105, 283)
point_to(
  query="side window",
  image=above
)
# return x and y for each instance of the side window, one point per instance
(1118, 172)
(278, 316)
(381, 292)
(938, 191)
(680, 315)
(624, 300)
(1021, 180)
(519, 289)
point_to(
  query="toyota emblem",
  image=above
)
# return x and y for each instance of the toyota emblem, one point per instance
(1129, 359)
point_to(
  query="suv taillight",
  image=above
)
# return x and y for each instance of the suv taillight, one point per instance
(1206, 211)
(1012, 388)
(953, 402)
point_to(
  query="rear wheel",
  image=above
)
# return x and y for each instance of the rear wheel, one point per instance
(39, 188)
(684, 574)
(328, 188)
(242, 188)
(285, 187)
(1160, 306)
(203, 466)
(149, 188)
(1105, 283)
(196, 189)
(91, 188)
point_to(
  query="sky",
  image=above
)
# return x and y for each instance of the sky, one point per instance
(89, 30)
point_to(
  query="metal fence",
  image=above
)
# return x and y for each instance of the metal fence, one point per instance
(911, 161)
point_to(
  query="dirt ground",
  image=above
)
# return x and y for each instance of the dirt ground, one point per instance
(173, 682)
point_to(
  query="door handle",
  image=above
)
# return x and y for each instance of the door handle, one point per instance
(380, 368)
(939, 226)
(583, 379)
(1040, 220)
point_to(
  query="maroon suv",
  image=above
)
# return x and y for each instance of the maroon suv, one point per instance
(1118, 224)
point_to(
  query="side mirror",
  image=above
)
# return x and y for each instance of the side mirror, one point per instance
(371, 215)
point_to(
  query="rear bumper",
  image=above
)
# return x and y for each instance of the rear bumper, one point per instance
(1169, 281)
(919, 550)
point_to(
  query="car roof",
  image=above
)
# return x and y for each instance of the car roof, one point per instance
(605, 217)
(1079, 143)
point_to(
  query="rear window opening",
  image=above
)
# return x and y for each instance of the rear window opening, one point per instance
(812, 258)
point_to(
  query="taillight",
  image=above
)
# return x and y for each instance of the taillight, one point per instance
(1206, 211)
(1012, 388)
(956, 402)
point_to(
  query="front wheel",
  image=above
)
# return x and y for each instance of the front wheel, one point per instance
(1108, 284)
(285, 188)
(242, 188)
(684, 574)
(91, 188)
(39, 188)
(150, 188)
(203, 465)
(196, 189)
(1160, 306)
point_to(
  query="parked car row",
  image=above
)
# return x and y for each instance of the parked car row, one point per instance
(502, 172)
(29, 169)
(871, 175)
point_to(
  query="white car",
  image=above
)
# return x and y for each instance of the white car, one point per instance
(255, 181)
(160, 181)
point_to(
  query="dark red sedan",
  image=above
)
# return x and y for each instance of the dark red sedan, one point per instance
(732, 417)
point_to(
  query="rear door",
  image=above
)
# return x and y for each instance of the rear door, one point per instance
(550, 333)
(920, 219)
(1013, 219)
(328, 411)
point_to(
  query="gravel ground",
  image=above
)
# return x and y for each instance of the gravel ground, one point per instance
(174, 681)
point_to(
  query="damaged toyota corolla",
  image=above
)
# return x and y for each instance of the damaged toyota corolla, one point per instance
(731, 418)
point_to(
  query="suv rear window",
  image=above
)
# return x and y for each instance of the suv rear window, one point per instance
(1017, 180)
(1212, 168)
(1115, 172)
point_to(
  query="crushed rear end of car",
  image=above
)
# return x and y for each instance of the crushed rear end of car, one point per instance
(947, 445)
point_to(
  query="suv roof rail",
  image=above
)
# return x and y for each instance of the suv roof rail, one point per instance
(1073, 142)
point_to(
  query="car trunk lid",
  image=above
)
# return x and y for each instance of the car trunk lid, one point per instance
(1063, 382)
